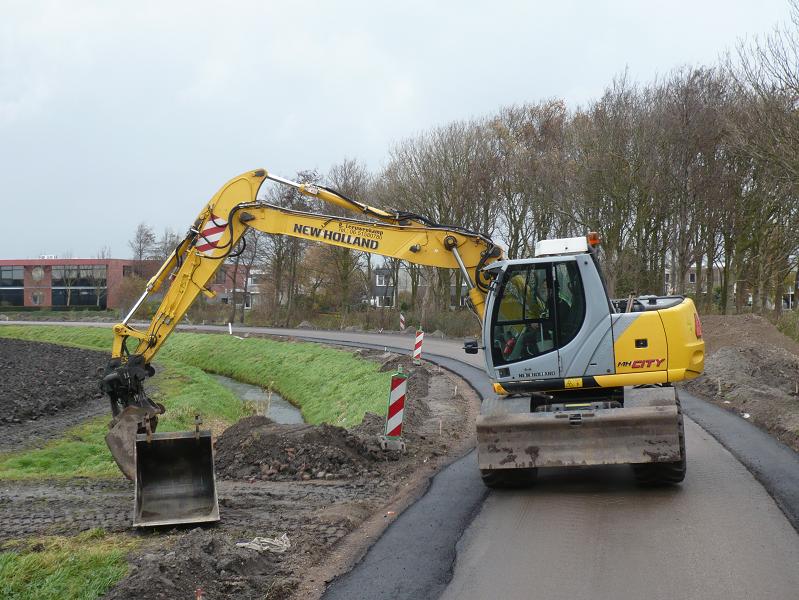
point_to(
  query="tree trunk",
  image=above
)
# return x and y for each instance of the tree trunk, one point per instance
(698, 291)
(796, 291)
(232, 318)
(725, 285)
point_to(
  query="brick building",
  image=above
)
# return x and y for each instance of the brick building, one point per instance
(66, 282)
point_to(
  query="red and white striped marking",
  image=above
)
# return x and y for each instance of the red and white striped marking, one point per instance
(402, 322)
(417, 349)
(211, 233)
(396, 405)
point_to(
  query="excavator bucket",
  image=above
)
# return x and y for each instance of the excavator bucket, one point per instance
(175, 482)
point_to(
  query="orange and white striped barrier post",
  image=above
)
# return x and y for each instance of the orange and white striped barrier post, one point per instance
(402, 322)
(392, 440)
(417, 348)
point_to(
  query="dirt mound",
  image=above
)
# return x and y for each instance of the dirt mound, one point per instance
(42, 379)
(752, 369)
(721, 331)
(207, 560)
(748, 373)
(257, 447)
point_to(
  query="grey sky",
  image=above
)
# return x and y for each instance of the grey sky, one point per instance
(113, 113)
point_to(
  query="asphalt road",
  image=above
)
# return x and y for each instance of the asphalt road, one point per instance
(591, 533)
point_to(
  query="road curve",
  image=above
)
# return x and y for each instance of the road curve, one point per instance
(587, 533)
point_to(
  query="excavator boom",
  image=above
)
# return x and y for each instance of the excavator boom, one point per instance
(211, 239)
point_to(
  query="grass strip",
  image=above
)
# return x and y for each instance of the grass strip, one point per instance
(91, 338)
(83, 567)
(328, 385)
(82, 451)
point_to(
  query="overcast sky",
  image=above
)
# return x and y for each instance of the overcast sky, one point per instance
(112, 113)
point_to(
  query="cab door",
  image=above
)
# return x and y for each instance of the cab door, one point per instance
(521, 335)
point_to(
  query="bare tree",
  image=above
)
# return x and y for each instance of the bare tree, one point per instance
(164, 246)
(141, 245)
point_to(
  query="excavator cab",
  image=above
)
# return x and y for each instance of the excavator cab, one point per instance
(579, 383)
(539, 325)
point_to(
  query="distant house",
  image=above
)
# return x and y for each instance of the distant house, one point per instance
(382, 290)
(225, 287)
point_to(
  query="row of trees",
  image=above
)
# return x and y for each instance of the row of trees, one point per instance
(697, 171)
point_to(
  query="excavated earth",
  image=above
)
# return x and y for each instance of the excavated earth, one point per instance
(332, 491)
(751, 368)
(45, 389)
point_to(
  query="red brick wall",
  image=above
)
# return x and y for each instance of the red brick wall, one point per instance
(114, 278)
(44, 286)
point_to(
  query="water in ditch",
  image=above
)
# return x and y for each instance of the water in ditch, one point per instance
(276, 408)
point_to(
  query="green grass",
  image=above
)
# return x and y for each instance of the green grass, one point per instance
(82, 567)
(82, 451)
(93, 338)
(329, 386)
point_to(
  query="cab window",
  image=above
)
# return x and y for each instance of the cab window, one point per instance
(523, 320)
(570, 301)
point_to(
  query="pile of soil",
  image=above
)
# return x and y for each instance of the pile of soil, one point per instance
(753, 369)
(210, 561)
(257, 447)
(44, 379)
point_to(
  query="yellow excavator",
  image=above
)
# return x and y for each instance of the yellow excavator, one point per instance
(580, 379)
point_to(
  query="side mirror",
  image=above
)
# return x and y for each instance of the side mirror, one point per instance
(471, 347)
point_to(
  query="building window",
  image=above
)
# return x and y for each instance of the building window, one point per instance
(78, 297)
(127, 270)
(11, 276)
(668, 277)
(37, 298)
(221, 275)
(10, 297)
(691, 277)
(380, 280)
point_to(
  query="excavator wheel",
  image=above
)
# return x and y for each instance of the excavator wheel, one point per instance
(664, 473)
(506, 479)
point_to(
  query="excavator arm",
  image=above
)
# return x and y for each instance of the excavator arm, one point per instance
(214, 236)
